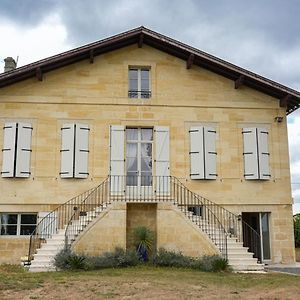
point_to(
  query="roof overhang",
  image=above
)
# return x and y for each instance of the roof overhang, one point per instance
(288, 97)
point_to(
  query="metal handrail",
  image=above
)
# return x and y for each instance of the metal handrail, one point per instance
(53, 221)
(88, 209)
(233, 224)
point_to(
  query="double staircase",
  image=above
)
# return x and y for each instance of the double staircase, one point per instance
(61, 227)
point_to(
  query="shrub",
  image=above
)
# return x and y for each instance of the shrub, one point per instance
(76, 262)
(67, 260)
(119, 258)
(61, 260)
(164, 258)
(214, 263)
(297, 230)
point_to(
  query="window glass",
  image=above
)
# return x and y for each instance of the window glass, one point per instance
(131, 134)
(147, 134)
(8, 229)
(28, 219)
(17, 224)
(9, 218)
(27, 229)
(139, 83)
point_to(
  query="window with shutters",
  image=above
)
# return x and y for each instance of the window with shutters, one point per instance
(256, 153)
(16, 149)
(131, 158)
(203, 155)
(139, 82)
(74, 150)
(17, 224)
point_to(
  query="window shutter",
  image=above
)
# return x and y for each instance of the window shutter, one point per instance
(250, 153)
(210, 154)
(81, 150)
(23, 150)
(8, 151)
(196, 152)
(47, 224)
(263, 153)
(162, 163)
(67, 151)
(117, 158)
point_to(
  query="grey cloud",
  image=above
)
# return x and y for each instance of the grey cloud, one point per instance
(26, 12)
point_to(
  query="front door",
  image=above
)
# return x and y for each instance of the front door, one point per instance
(139, 179)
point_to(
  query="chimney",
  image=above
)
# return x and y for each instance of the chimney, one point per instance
(9, 64)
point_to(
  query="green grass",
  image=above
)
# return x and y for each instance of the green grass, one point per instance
(297, 254)
(140, 281)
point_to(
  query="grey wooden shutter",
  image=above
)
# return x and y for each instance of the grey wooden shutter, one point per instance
(117, 159)
(263, 153)
(197, 152)
(162, 159)
(81, 150)
(23, 150)
(67, 151)
(210, 154)
(250, 153)
(8, 150)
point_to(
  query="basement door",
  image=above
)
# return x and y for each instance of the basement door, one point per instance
(139, 180)
(260, 223)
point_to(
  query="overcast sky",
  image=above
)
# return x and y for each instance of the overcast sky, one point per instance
(259, 35)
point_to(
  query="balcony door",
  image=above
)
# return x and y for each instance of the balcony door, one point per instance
(139, 180)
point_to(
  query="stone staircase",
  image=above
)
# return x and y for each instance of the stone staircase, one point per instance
(43, 260)
(239, 258)
(213, 220)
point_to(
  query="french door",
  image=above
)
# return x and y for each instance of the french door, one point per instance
(259, 221)
(139, 180)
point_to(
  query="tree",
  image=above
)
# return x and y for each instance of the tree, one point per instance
(297, 229)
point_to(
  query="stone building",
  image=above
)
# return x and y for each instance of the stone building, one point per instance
(140, 129)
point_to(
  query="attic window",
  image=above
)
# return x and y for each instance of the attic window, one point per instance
(139, 82)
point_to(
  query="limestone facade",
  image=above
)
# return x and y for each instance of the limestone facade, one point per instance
(97, 94)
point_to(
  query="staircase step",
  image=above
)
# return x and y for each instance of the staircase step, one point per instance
(248, 267)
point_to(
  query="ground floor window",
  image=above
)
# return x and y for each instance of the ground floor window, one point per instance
(17, 223)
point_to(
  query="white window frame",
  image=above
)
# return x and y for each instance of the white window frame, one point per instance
(18, 224)
(131, 93)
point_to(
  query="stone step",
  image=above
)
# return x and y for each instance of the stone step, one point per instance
(239, 256)
(248, 267)
(239, 250)
(242, 261)
(44, 257)
(53, 246)
(43, 251)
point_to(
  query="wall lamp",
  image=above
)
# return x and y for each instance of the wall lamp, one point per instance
(278, 119)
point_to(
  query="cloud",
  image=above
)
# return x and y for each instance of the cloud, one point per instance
(261, 36)
(33, 43)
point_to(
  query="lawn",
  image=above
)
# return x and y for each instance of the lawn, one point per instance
(298, 254)
(145, 283)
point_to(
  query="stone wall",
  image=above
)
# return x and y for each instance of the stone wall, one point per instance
(12, 249)
(139, 214)
(173, 230)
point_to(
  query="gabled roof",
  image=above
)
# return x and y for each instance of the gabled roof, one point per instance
(288, 97)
